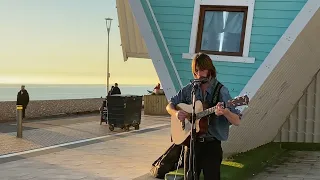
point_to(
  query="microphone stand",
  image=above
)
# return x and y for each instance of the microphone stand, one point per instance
(191, 174)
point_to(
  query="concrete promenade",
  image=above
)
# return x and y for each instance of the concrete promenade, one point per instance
(80, 148)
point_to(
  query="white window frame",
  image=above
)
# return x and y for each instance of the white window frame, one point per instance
(193, 39)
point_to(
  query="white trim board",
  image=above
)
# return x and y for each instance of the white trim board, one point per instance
(153, 48)
(223, 58)
(196, 13)
(280, 48)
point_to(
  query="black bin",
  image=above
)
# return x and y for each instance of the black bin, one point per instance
(124, 111)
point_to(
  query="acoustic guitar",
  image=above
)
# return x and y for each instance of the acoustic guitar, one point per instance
(180, 130)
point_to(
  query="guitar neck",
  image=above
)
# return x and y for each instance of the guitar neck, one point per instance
(239, 101)
(207, 112)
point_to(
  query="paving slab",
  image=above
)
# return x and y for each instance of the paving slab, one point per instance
(302, 165)
(81, 148)
(127, 157)
(48, 132)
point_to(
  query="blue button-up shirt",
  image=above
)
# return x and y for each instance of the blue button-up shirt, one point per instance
(218, 125)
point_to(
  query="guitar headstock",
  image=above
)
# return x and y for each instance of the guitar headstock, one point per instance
(238, 101)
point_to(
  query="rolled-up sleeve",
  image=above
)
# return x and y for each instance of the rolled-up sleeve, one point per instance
(178, 98)
(225, 97)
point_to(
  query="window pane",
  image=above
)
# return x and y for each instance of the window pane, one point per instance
(222, 31)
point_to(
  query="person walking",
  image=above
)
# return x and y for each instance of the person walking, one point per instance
(23, 99)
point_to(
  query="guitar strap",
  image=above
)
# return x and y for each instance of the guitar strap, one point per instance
(216, 93)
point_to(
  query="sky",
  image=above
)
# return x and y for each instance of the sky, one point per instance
(65, 42)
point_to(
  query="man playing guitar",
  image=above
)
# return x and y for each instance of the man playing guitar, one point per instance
(208, 151)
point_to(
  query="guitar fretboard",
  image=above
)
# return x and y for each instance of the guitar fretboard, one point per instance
(239, 101)
(205, 113)
(208, 111)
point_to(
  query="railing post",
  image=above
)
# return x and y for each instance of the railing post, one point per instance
(19, 120)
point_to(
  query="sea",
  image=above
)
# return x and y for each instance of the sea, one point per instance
(8, 92)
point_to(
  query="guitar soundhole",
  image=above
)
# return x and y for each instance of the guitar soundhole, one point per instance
(183, 124)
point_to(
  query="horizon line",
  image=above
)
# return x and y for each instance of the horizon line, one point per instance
(68, 84)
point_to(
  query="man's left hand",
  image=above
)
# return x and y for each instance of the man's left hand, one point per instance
(220, 110)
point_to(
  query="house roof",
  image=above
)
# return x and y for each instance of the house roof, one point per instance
(276, 86)
(283, 87)
(133, 44)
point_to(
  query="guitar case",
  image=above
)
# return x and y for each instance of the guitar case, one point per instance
(167, 162)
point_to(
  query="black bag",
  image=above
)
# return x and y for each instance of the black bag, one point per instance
(167, 162)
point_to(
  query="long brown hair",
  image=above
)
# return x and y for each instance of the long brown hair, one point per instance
(203, 62)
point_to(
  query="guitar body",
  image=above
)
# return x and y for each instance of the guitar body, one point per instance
(180, 130)
(180, 134)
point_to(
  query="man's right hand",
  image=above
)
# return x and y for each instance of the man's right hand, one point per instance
(181, 115)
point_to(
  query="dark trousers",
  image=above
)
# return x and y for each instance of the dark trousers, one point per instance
(208, 159)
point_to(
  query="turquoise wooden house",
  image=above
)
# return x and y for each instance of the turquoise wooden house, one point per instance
(267, 49)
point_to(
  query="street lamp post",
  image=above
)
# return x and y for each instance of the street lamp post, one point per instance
(108, 24)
